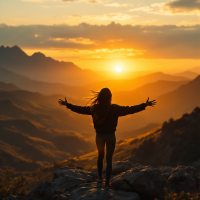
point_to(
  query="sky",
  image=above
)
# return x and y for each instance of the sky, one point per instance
(159, 35)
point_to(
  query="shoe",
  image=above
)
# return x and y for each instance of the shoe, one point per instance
(100, 180)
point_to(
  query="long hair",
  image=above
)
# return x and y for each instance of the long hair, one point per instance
(100, 104)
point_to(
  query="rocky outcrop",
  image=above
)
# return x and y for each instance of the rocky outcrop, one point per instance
(129, 182)
(144, 180)
(183, 178)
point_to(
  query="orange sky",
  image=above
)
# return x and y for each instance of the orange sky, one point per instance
(158, 35)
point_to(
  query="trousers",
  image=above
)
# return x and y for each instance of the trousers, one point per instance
(108, 140)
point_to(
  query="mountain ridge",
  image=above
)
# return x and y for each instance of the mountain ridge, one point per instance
(42, 68)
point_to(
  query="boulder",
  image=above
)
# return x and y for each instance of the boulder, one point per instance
(63, 180)
(166, 172)
(120, 183)
(144, 180)
(95, 191)
(183, 178)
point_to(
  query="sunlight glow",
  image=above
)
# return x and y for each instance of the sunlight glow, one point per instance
(118, 69)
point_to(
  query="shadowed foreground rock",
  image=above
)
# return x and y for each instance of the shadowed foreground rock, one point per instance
(129, 182)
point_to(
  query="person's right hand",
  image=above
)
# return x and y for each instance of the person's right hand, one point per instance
(150, 103)
(63, 103)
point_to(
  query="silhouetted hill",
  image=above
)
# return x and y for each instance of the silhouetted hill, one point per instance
(8, 87)
(171, 104)
(25, 146)
(43, 110)
(196, 70)
(131, 84)
(188, 74)
(136, 132)
(40, 67)
(25, 83)
(141, 94)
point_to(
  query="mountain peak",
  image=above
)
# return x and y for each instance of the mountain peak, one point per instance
(9, 51)
(38, 55)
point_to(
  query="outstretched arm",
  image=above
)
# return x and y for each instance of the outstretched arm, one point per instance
(125, 110)
(78, 109)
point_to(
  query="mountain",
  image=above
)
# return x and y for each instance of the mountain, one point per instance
(188, 74)
(78, 92)
(152, 90)
(42, 68)
(26, 83)
(43, 110)
(196, 70)
(26, 146)
(36, 131)
(136, 132)
(131, 84)
(172, 104)
(8, 87)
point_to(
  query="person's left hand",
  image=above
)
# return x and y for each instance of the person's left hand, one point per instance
(63, 103)
(150, 103)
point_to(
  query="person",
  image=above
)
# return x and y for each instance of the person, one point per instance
(105, 118)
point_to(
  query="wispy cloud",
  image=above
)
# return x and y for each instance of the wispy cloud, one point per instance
(107, 17)
(85, 1)
(118, 5)
(38, 1)
(111, 40)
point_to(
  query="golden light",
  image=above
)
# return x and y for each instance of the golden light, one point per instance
(118, 69)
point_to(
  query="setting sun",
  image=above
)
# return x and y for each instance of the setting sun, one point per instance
(118, 69)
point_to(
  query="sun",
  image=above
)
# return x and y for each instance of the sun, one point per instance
(118, 69)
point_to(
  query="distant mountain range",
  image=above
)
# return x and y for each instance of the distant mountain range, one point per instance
(188, 74)
(171, 104)
(35, 131)
(131, 84)
(42, 68)
(168, 83)
(152, 90)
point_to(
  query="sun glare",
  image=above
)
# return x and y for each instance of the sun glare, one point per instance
(118, 69)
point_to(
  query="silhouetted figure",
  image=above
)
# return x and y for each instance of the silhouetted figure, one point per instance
(105, 118)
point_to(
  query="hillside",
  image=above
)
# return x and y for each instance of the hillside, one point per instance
(42, 68)
(8, 87)
(172, 104)
(188, 74)
(152, 90)
(36, 131)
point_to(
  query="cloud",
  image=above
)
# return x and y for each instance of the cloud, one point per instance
(118, 4)
(37, 1)
(85, 1)
(178, 6)
(168, 41)
(107, 17)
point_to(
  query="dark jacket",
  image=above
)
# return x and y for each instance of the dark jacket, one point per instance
(111, 120)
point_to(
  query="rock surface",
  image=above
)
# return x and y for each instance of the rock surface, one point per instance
(144, 180)
(129, 182)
